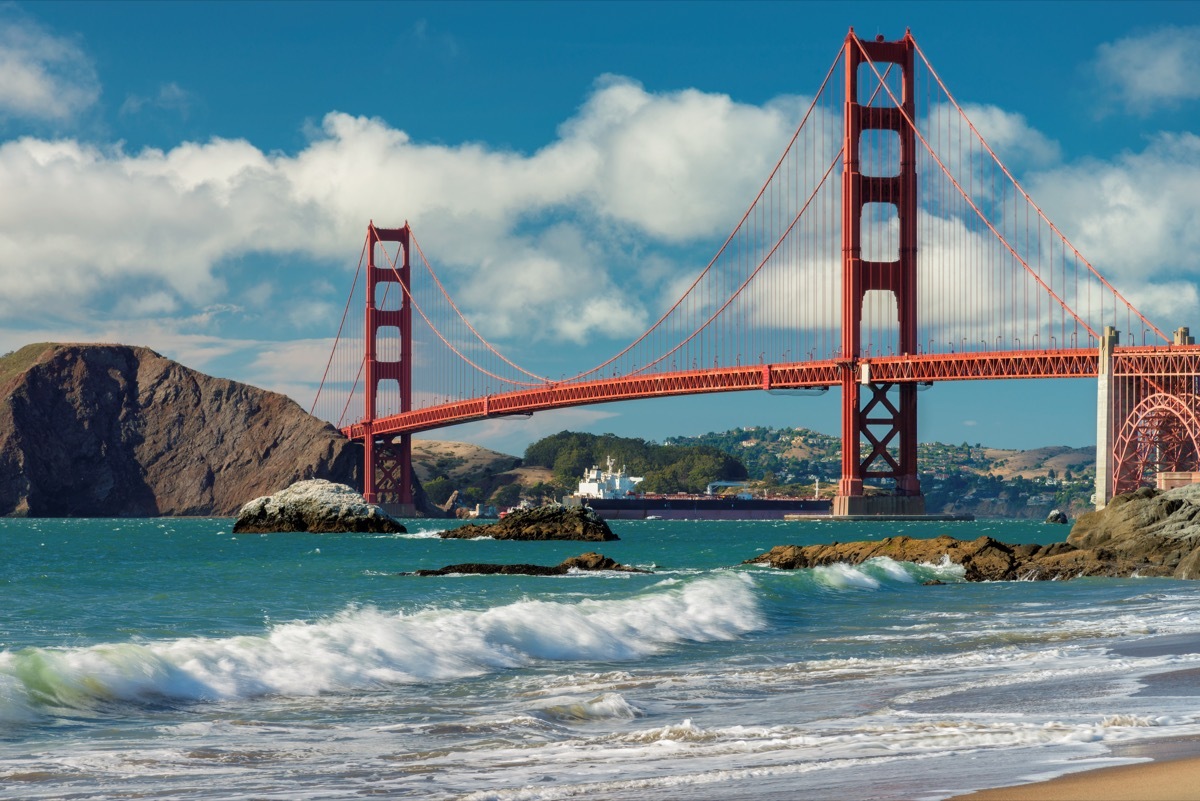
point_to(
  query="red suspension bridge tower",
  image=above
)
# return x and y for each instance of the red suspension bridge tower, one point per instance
(884, 415)
(387, 460)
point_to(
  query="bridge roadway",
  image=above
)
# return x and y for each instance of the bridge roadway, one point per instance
(1064, 363)
(1072, 363)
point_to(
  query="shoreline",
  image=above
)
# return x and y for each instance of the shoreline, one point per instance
(1168, 775)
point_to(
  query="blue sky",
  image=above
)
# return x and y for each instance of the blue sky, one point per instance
(196, 177)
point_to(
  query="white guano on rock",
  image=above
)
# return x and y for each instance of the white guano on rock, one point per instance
(315, 506)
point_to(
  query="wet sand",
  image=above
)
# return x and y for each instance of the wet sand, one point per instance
(1173, 774)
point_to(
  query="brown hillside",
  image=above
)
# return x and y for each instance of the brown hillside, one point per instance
(466, 465)
(112, 430)
(1037, 463)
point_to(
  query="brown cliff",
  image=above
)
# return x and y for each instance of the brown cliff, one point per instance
(112, 430)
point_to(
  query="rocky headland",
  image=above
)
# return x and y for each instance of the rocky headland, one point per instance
(1144, 533)
(316, 506)
(552, 522)
(586, 562)
(112, 431)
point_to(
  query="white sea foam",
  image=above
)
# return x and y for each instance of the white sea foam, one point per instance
(369, 647)
(881, 571)
(423, 534)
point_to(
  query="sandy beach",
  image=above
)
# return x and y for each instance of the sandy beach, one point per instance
(1173, 775)
(1175, 780)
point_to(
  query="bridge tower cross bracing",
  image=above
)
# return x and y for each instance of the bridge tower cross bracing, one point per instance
(387, 461)
(882, 414)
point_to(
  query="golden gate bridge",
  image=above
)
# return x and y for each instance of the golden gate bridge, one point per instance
(888, 248)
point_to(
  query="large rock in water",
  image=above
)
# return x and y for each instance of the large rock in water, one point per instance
(1159, 531)
(111, 430)
(317, 506)
(553, 522)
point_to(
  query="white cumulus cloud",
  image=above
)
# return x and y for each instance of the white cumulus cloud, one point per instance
(43, 77)
(1151, 70)
(525, 239)
(1137, 217)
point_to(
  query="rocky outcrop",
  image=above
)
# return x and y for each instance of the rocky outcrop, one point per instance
(585, 562)
(1145, 533)
(553, 522)
(1159, 531)
(317, 506)
(1057, 516)
(111, 430)
(983, 559)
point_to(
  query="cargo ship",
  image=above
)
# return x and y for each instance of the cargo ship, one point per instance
(613, 494)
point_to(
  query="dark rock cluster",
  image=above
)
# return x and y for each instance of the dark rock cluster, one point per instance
(1145, 533)
(983, 559)
(587, 562)
(552, 522)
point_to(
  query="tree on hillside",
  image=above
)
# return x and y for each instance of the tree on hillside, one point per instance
(673, 468)
(508, 495)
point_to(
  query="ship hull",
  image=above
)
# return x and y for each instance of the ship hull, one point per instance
(677, 508)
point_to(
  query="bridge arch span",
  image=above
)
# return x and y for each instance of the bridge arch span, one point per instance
(1161, 432)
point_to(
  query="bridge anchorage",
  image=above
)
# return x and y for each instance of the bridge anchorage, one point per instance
(889, 248)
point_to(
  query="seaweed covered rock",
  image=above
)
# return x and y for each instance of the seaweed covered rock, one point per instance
(552, 522)
(317, 506)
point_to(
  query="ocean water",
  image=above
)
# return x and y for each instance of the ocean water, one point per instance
(172, 659)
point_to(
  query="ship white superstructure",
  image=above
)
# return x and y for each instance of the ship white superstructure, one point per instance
(607, 483)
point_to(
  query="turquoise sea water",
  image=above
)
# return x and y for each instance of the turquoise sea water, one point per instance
(171, 659)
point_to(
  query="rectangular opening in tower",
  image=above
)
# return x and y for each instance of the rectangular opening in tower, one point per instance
(387, 397)
(388, 295)
(880, 323)
(879, 153)
(387, 343)
(880, 85)
(880, 232)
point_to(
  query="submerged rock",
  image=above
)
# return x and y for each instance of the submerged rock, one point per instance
(586, 561)
(553, 522)
(317, 506)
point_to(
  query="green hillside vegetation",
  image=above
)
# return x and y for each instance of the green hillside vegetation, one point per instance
(987, 482)
(666, 468)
